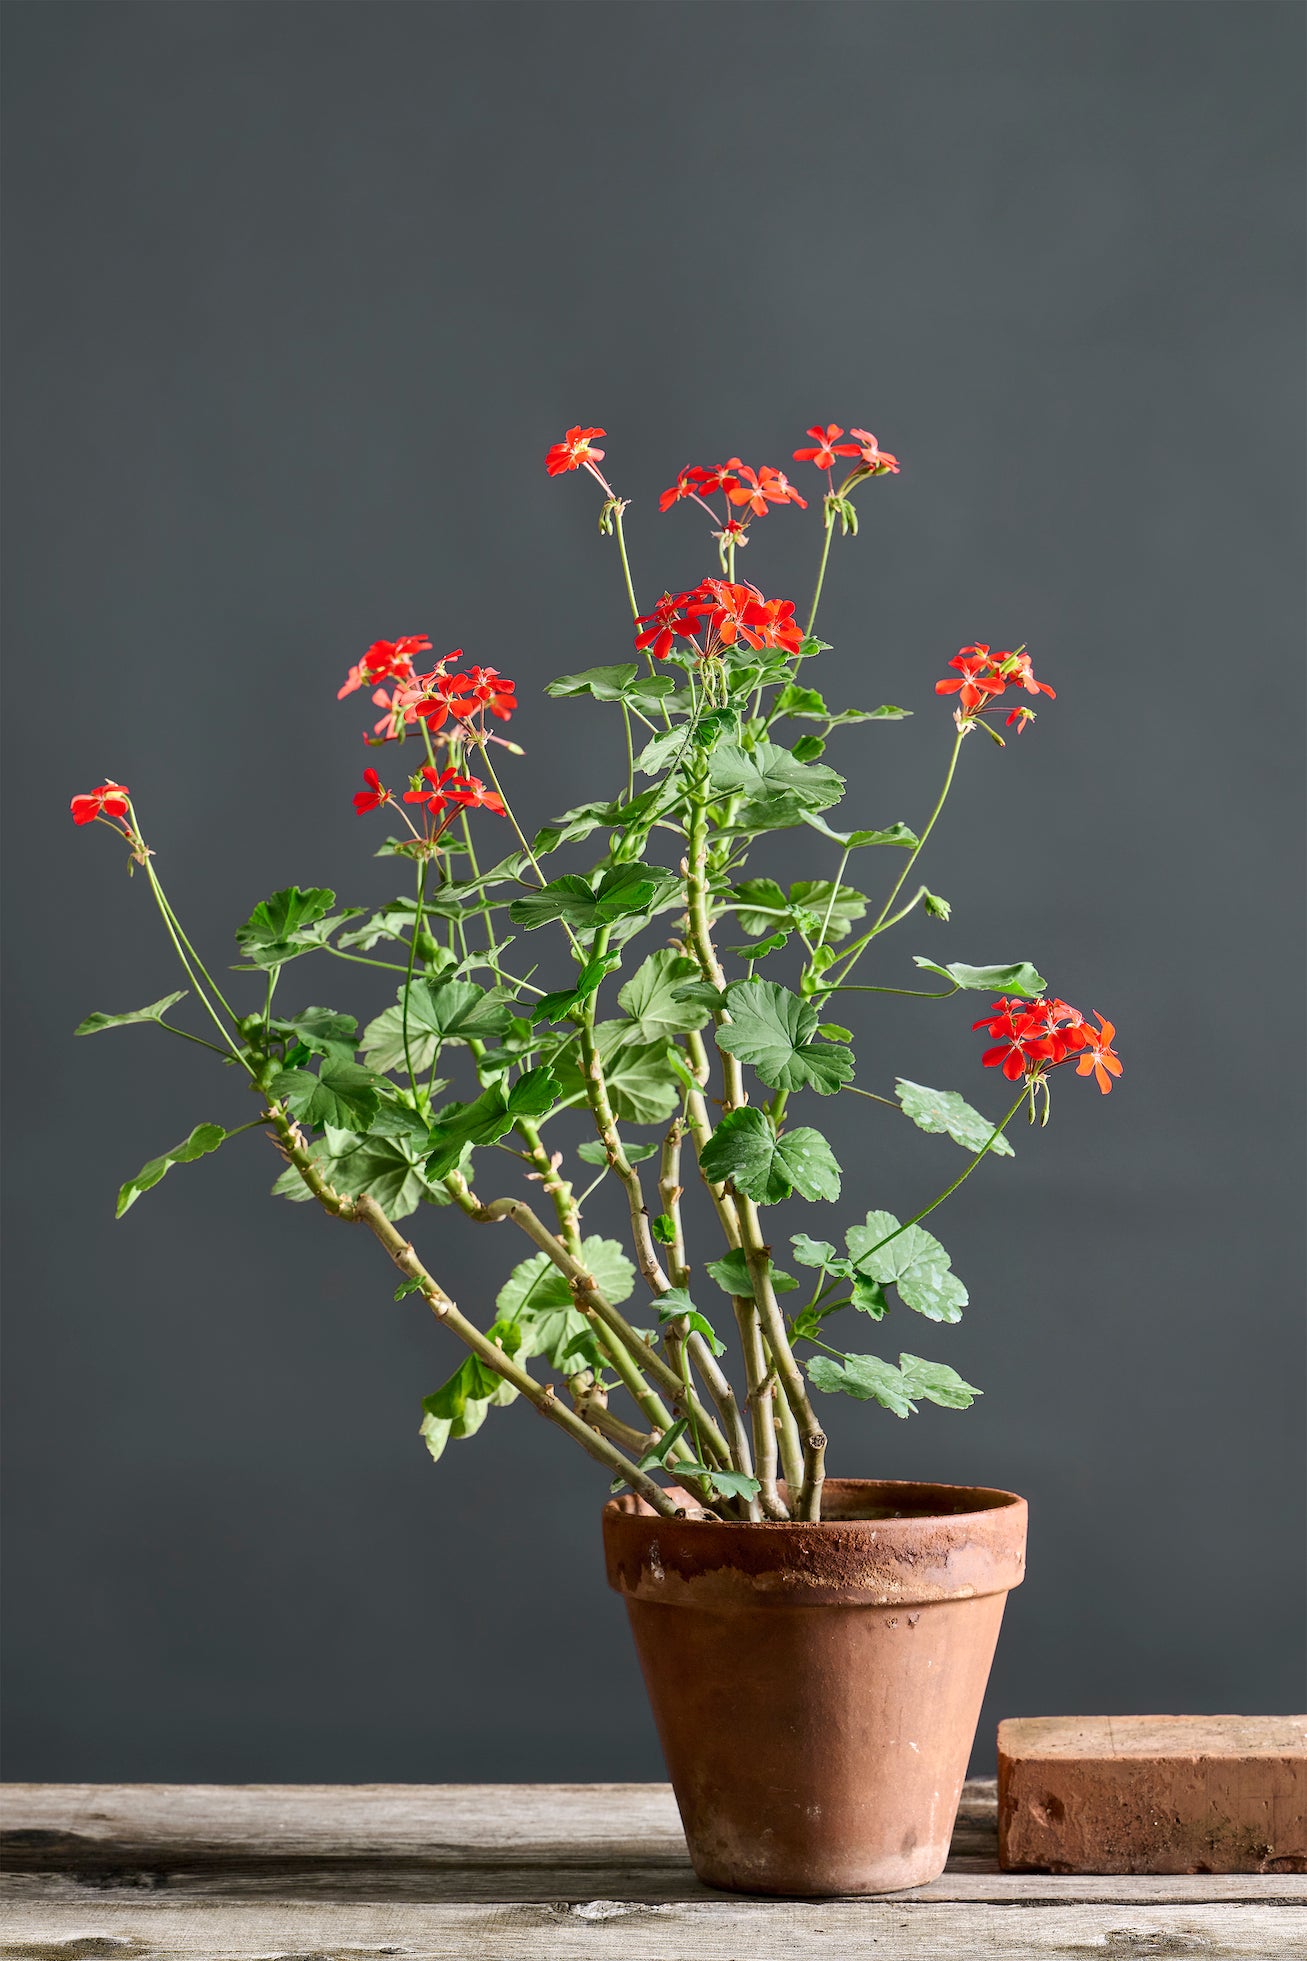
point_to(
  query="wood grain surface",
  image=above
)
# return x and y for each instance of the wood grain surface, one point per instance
(546, 1872)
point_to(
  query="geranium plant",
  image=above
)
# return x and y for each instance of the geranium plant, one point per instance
(687, 1057)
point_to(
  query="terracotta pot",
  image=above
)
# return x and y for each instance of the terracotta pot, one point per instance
(817, 1687)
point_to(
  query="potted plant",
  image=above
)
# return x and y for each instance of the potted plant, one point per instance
(816, 1649)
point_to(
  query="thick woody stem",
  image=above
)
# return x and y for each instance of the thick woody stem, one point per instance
(696, 878)
(596, 1092)
(669, 1191)
(811, 1434)
(728, 1409)
(759, 1380)
(791, 1447)
(590, 1402)
(557, 1188)
(588, 1295)
(370, 1214)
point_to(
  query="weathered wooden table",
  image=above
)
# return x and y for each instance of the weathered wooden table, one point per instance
(543, 1872)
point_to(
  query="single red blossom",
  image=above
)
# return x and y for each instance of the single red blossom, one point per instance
(1099, 1059)
(450, 789)
(575, 449)
(108, 800)
(676, 616)
(874, 458)
(688, 484)
(1023, 1043)
(763, 488)
(385, 659)
(486, 689)
(374, 796)
(739, 612)
(720, 477)
(828, 446)
(979, 681)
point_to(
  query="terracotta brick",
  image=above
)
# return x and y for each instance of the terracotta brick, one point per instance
(1153, 1794)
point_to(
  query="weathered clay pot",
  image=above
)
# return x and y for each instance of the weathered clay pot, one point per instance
(817, 1687)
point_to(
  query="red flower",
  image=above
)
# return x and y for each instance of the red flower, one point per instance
(828, 446)
(737, 612)
(1099, 1058)
(486, 689)
(688, 484)
(732, 533)
(110, 799)
(979, 680)
(874, 458)
(720, 477)
(386, 658)
(676, 616)
(766, 487)
(450, 789)
(574, 450)
(374, 796)
(1022, 1038)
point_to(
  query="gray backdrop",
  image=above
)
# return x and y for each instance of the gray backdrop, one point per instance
(297, 297)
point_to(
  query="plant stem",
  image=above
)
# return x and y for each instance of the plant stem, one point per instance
(821, 572)
(408, 981)
(669, 1191)
(596, 1089)
(948, 1190)
(852, 953)
(793, 1386)
(626, 563)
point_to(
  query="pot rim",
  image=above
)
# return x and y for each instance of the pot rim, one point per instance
(627, 1505)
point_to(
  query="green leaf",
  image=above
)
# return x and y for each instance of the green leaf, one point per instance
(726, 1484)
(745, 1148)
(818, 1253)
(772, 1029)
(341, 1094)
(865, 1377)
(705, 994)
(281, 927)
(323, 1031)
(652, 1000)
(760, 906)
(155, 1012)
(808, 748)
(868, 1296)
(458, 1408)
(438, 1011)
(593, 1152)
(486, 1120)
(386, 1168)
(642, 1086)
(897, 1389)
(814, 895)
(557, 1006)
(944, 1110)
(204, 1138)
(855, 840)
(573, 825)
(676, 1305)
(537, 1299)
(1020, 978)
(733, 1277)
(661, 751)
(623, 890)
(913, 1261)
(804, 704)
(406, 1287)
(622, 682)
(768, 775)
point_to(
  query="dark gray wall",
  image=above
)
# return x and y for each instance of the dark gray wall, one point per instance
(297, 296)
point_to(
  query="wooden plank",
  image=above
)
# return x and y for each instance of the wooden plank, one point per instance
(575, 1884)
(607, 1930)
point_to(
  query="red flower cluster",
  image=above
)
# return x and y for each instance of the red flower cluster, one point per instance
(983, 677)
(575, 450)
(1032, 1037)
(109, 800)
(450, 790)
(876, 462)
(718, 614)
(751, 491)
(432, 697)
(386, 659)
